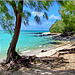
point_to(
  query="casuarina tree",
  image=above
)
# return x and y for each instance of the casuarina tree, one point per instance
(20, 15)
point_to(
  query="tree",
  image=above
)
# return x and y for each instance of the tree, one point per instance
(19, 14)
(67, 12)
(58, 27)
(67, 23)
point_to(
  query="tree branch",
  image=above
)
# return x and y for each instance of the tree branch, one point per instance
(13, 4)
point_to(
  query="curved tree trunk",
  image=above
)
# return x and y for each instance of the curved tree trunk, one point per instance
(11, 54)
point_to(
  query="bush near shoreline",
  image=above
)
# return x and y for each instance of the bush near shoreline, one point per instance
(61, 27)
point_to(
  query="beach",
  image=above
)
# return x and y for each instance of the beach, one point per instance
(48, 60)
(48, 50)
(64, 64)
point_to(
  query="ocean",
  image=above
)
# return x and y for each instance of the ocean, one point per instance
(28, 40)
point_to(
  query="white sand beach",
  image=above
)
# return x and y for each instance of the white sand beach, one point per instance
(53, 34)
(49, 51)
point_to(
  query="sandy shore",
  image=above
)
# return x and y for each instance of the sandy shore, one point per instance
(53, 34)
(58, 67)
(53, 68)
(50, 51)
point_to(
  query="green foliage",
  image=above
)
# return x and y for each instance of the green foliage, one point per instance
(45, 15)
(16, 57)
(37, 19)
(7, 20)
(15, 69)
(67, 24)
(58, 27)
(68, 15)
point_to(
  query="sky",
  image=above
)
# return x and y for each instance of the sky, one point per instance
(53, 15)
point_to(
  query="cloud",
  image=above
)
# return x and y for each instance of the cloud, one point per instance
(32, 23)
(47, 23)
(37, 13)
(34, 26)
(54, 17)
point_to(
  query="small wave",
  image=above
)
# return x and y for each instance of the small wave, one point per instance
(40, 46)
(22, 49)
(26, 51)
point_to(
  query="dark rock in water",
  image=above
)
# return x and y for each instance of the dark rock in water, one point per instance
(55, 42)
(67, 34)
(32, 33)
(65, 38)
(36, 33)
(43, 50)
(41, 35)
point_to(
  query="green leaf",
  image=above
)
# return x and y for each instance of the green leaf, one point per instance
(46, 15)
(37, 19)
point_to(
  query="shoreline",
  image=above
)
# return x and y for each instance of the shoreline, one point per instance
(50, 51)
(34, 51)
(30, 52)
(58, 58)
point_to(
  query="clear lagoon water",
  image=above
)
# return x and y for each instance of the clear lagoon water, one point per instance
(27, 41)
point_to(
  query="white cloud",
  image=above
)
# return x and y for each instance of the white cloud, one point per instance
(32, 23)
(37, 13)
(47, 23)
(54, 17)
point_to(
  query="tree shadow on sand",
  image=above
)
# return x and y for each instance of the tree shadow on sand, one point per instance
(32, 65)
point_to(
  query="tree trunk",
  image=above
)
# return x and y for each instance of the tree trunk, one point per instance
(11, 54)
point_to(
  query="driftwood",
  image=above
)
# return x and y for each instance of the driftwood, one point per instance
(50, 58)
(66, 51)
(72, 49)
(73, 44)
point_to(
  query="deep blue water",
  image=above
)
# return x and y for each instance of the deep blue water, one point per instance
(27, 41)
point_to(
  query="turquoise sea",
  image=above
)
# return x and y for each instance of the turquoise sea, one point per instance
(28, 40)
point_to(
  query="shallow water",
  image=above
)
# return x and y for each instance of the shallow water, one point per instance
(27, 41)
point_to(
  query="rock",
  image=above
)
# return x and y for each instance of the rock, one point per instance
(65, 38)
(55, 42)
(43, 50)
(67, 34)
(36, 33)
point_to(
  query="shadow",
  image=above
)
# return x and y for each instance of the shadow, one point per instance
(51, 72)
(32, 65)
(39, 71)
